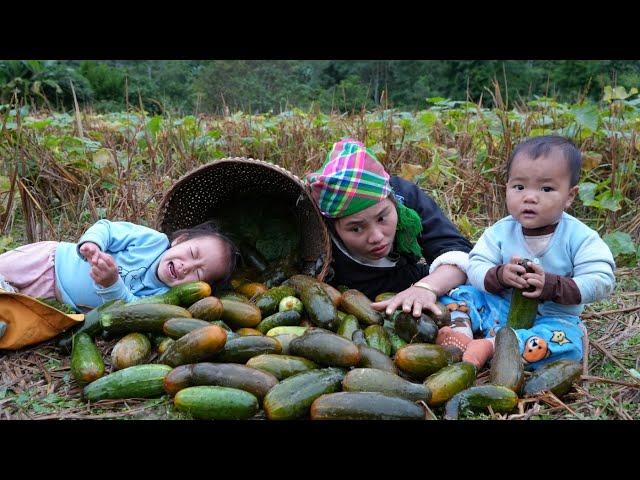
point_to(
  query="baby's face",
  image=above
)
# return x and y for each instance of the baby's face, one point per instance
(539, 190)
(201, 258)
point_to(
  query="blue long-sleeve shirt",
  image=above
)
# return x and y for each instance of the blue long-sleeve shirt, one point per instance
(575, 251)
(136, 250)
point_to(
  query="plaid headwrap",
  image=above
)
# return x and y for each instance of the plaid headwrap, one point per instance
(350, 180)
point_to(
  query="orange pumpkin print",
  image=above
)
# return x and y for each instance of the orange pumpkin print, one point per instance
(535, 349)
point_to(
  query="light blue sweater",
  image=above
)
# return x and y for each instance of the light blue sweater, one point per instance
(575, 251)
(136, 250)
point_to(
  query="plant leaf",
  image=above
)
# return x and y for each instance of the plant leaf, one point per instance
(587, 117)
(620, 243)
(587, 193)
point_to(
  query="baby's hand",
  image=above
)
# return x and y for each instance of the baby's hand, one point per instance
(104, 270)
(535, 279)
(512, 274)
(89, 250)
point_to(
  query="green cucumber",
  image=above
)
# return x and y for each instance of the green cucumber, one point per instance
(455, 354)
(139, 381)
(144, 317)
(297, 331)
(164, 344)
(252, 257)
(373, 380)
(556, 377)
(240, 349)
(222, 325)
(197, 345)
(448, 381)
(269, 301)
(396, 342)
(251, 289)
(208, 308)
(243, 332)
(299, 282)
(281, 366)
(348, 324)
(358, 338)
(91, 325)
(357, 304)
(523, 310)
(132, 349)
(326, 349)
(184, 295)
(231, 295)
(232, 375)
(364, 406)
(322, 312)
(415, 330)
(292, 397)
(376, 337)
(507, 367)
(500, 399)
(178, 378)
(290, 303)
(374, 358)
(216, 403)
(419, 360)
(239, 314)
(86, 361)
(286, 318)
(178, 327)
(381, 297)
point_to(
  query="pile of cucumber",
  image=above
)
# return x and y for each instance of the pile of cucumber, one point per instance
(302, 349)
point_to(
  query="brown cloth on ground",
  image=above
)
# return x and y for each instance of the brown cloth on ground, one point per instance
(30, 321)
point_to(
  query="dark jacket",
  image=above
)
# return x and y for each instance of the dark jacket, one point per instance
(439, 235)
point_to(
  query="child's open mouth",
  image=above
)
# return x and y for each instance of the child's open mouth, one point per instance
(528, 213)
(172, 270)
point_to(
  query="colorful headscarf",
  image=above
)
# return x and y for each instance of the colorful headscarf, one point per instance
(351, 180)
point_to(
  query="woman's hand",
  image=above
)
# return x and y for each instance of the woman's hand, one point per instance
(413, 299)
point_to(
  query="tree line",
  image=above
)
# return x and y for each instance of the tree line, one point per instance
(227, 86)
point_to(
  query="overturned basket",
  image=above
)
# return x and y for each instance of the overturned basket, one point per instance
(194, 197)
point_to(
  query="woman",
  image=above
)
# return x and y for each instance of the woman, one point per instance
(381, 226)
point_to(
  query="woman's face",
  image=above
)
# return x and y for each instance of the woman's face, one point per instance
(370, 233)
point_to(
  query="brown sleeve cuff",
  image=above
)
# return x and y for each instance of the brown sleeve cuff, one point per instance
(559, 289)
(492, 280)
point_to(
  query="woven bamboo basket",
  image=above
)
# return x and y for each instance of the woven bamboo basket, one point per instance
(195, 197)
